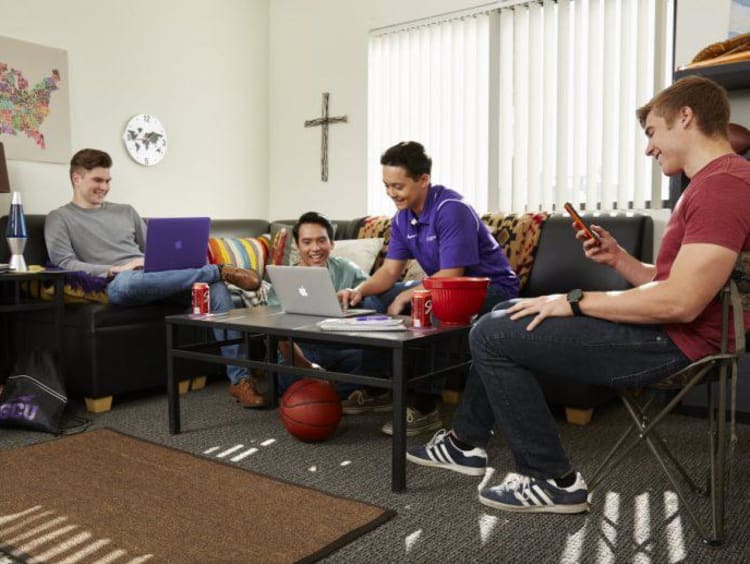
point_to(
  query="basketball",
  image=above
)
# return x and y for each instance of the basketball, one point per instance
(310, 410)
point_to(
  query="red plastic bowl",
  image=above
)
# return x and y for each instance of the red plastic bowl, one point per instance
(456, 300)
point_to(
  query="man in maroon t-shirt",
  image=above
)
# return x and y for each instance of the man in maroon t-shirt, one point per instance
(619, 339)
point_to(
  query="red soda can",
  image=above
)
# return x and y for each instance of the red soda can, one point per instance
(201, 298)
(421, 308)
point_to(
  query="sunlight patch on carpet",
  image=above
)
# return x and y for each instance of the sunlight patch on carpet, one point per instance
(608, 527)
(244, 454)
(231, 450)
(411, 540)
(31, 535)
(487, 524)
(642, 526)
(573, 550)
(675, 534)
(22, 524)
(222, 451)
(90, 549)
(140, 559)
(41, 528)
(12, 517)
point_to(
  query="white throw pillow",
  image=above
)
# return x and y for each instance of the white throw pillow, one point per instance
(361, 252)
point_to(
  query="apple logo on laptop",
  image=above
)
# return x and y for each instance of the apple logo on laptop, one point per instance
(178, 245)
(302, 291)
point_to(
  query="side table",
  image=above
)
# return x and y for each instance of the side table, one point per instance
(13, 302)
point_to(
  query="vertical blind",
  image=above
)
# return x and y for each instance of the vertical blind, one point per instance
(560, 78)
(430, 83)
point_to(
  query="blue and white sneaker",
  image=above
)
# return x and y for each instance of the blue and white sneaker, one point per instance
(531, 495)
(441, 452)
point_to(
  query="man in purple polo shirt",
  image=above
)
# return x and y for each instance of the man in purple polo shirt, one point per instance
(435, 226)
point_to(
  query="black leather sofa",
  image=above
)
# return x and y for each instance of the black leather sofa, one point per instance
(112, 350)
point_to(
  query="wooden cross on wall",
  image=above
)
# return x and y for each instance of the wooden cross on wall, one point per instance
(323, 121)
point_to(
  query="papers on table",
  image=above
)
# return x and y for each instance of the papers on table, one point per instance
(363, 323)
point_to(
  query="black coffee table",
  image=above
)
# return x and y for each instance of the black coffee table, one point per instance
(272, 325)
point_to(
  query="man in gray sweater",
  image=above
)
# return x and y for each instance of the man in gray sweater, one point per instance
(106, 239)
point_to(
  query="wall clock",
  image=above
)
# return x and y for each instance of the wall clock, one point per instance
(145, 139)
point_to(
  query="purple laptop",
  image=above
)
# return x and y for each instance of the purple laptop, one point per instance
(174, 243)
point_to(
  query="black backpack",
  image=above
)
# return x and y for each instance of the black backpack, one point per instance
(34, 395)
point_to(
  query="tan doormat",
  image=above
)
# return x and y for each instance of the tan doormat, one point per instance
(104, 497)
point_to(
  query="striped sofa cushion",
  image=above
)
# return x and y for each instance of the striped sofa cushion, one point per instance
(246, 252)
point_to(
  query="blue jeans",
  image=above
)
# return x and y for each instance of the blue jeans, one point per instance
(337, 360)
(381, 302)
(135, 287)
(502, 388)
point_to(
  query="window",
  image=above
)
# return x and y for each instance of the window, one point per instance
(525, 106)
(430, 84)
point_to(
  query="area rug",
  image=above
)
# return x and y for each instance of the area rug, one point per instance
(103, 496)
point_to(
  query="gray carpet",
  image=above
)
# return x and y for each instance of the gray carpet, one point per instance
(634, 516)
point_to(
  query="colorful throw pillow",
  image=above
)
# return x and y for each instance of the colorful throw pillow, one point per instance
(361, 252)
(279, 245)
(377, 226)
(246, 252)
(518, 235)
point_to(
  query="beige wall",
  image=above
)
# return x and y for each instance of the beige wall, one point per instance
(200, 67)
(699, 23)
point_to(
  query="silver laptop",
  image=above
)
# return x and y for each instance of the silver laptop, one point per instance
(308, 290)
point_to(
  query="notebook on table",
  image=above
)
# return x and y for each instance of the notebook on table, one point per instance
(308, 290)
(176, 243)
(363, 323)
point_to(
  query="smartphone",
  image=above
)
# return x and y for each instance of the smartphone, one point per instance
(580, 224)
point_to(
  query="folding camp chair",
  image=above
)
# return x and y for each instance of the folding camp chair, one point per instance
(713, 371)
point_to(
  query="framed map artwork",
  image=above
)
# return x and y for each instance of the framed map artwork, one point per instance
(34, 104)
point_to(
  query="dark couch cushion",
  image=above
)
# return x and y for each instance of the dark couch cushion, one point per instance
(93, 317)
(560, 264)
(238, 227)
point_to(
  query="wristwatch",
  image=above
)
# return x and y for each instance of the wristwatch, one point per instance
(575, 296)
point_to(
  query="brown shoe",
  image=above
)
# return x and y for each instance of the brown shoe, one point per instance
(241, 277)
(245, 393)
